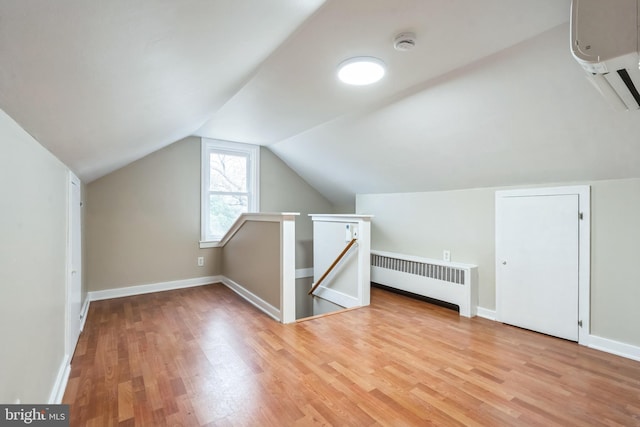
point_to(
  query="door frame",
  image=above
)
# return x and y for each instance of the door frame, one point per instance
(584, 248)
(73, 180)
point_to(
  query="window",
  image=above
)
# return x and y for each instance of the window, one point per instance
(229, 185)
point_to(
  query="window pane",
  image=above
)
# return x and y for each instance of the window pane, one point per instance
(228, 172)
(229, 185)
(223, 211)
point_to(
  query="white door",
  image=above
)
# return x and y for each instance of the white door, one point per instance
(537, 262)
(74, 281)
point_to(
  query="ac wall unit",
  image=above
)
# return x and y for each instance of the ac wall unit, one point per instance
(604, 40)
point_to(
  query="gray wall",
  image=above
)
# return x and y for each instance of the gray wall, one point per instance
(323, 306)
(304, 301)
(282, 190)
(143, 221)
(615, 254)
(33, 226)
(424, 224)
(252, 259)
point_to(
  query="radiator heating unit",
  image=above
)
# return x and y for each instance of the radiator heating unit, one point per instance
(451, 282)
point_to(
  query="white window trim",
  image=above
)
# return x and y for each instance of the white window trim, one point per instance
(253, 180)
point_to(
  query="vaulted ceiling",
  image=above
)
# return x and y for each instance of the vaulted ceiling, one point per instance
(489, 96)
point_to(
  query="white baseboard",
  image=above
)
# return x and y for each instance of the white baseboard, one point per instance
(597, 343)
(614, 347)
(60, 385)
(84, 312)
(302, 273)
(252, 298)
(154, 287)
(179, 284)
(337, 297)
(485, 313)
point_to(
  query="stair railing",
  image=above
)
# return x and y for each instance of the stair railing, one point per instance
(332, 266)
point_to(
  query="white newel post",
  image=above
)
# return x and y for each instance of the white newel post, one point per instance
(364, 259)
(288, 268)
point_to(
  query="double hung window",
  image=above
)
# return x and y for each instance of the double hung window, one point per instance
(229, 185)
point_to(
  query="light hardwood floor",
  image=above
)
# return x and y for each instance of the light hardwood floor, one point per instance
(203, 356)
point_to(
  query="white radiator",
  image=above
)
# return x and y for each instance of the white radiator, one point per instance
(451, 282)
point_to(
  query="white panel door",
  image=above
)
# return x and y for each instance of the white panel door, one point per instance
(74, 284)
(537, 248)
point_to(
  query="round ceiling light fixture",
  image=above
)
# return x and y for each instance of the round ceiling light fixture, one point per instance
(361, 70)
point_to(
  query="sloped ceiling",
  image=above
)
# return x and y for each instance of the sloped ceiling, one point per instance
(104, 83)
(490, 95)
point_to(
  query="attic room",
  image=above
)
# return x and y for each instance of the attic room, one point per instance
(108, 107)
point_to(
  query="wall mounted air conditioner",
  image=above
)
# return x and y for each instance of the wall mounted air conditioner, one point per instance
(604, 40)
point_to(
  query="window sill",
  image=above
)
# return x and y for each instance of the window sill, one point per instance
(215, 244)
(253, 216)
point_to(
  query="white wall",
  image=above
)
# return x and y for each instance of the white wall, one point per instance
(33, 230)
(329, 241)
(462, 221)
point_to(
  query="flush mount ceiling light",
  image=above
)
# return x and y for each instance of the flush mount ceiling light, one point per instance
(361, 71)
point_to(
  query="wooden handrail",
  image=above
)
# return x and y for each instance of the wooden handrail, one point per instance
(332, 266)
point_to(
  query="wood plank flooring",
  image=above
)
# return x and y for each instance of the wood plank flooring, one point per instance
(204, 357)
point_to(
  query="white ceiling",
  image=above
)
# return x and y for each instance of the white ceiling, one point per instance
(489, 96)
(104, 83)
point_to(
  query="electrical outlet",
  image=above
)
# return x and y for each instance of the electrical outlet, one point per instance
(200, 261)
(446, 255)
